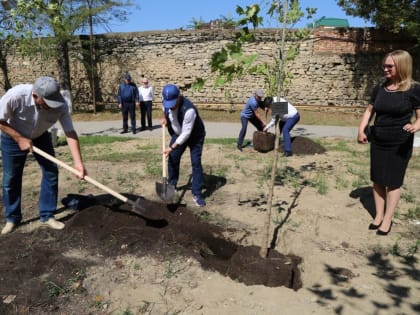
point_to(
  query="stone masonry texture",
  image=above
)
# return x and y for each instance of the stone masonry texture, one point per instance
(334, 67)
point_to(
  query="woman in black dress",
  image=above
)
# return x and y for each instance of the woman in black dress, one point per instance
(393, 103)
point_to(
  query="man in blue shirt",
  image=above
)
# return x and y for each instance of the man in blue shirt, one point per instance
(250, 113)
(128, 98)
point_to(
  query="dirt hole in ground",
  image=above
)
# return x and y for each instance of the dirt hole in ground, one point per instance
(34, 265)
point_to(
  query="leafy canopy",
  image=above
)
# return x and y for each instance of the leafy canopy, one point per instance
(394, 16)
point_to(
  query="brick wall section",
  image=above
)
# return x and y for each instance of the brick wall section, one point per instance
(358, 40)
(335, 67)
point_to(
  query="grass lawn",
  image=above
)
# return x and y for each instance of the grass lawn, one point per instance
(316, 116)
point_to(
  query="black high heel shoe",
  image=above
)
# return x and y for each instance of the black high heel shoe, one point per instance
(374, 226)
(380, 232)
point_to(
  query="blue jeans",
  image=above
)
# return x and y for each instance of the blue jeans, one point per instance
(244, 122)
(285, 128)
(146, 112)
(174, 160)
(13, 164)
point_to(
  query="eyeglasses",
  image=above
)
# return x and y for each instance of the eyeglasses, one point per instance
(387, 66)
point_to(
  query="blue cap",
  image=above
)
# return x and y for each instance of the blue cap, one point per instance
(170, 94)
(127, 76)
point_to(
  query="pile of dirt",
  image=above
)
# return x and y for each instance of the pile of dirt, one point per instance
(263, 142)
(34, 266)
(304, 146)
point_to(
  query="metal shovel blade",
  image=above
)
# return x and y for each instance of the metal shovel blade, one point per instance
(165, 191)
(139, 207)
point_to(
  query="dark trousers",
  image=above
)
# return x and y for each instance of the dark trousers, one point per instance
(129, 109)
(244, 122)
(146, 112)
(174, 160)
(13, 163)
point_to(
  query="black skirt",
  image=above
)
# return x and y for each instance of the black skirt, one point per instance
(390, 151)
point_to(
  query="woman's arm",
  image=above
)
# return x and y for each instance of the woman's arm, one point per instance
(415, 126)
(367, 116)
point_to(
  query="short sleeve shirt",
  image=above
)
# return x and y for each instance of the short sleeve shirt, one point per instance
(394, 108)
(250, 107)
(18, 109)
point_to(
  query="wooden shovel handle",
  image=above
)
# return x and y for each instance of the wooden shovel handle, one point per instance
(164, 171)
(77, 173)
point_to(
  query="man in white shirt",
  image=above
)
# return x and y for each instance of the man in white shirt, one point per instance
(187, 130)
(146, 103)
(26, 113)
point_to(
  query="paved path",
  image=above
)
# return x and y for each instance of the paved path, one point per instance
(213, 129)
(217, 130)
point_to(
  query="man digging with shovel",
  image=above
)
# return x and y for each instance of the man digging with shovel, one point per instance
(26, 113)
(187, 130)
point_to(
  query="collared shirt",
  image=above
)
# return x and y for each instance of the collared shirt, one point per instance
(183, 132)
(250, 107)
(146, 93)
(291, 112)
(18, 109)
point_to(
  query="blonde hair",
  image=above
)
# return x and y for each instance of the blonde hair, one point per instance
(404, 67)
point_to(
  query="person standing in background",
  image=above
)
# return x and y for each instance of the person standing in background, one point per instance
(146, 102)
(250, 113)
(128, 98)
(391, 137)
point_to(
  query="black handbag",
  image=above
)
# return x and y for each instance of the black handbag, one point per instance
(368, 132)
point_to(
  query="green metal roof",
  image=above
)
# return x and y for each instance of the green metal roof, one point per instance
(330, 22)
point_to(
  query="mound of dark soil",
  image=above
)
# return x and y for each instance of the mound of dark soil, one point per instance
(304, 146)
(33, 265)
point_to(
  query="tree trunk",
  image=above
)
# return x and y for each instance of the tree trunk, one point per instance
(3, 66)
(63, 64)
(92, 63)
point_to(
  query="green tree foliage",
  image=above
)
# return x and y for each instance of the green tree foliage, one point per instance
(286, 14)
(6, 40)
(46, 27)
(231, 63)
(394, 16)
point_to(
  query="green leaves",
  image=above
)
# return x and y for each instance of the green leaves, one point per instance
(231, 62)
(393, 16)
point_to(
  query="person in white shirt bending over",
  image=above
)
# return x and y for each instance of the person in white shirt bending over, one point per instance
(146, 102)
(286, 124)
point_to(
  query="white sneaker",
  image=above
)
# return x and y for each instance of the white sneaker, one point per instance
(9, 227)
(54, 224)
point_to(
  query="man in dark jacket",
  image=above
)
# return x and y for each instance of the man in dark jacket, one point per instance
(128, 98)
(187, 130)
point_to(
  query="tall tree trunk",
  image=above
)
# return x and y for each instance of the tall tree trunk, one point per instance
(63, 64)
(92, 63)
(3, 66)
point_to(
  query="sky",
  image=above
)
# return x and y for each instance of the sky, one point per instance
(152, 15)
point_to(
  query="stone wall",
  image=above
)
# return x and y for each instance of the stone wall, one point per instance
(334, 67)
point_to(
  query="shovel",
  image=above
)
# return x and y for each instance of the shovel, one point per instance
(136, 206)
(164, 190)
